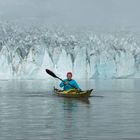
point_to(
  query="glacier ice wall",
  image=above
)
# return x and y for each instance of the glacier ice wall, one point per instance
(25, 51)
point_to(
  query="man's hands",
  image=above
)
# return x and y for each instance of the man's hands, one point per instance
(65, 83)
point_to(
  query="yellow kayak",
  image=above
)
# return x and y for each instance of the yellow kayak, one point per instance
(72, 93)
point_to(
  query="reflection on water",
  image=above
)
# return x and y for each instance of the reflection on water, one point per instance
(30, 111)
(73, 101)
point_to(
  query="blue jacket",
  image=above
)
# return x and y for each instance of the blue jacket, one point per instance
(67, 86)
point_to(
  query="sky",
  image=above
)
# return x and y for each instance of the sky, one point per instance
(96, 13)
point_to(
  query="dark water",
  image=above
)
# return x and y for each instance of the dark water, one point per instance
(30, 111)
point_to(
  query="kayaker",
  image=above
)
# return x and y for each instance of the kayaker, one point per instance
(71, 81)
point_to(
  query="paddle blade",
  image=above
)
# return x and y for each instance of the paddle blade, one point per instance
(51, 73)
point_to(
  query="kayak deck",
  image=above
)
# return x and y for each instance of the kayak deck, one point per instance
(73, 93)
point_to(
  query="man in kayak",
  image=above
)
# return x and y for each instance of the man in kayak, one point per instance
(69, 83)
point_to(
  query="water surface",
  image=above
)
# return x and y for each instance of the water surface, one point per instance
(30, 111)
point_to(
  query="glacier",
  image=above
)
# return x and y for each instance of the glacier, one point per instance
(26, 51)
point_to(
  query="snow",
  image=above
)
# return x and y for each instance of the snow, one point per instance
(25, 53)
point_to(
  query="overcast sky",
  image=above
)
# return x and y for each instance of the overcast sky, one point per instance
(95, 13)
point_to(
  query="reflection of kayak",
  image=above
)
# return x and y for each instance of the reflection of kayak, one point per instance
(72, 93)
(83, 100)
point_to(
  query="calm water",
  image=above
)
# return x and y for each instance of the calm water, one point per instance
(30, 111)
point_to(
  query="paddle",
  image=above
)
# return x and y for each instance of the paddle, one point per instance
(53, 75)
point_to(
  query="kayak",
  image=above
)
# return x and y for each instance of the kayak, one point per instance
(72, 93)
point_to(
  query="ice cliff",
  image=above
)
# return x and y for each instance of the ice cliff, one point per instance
(25, 51)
